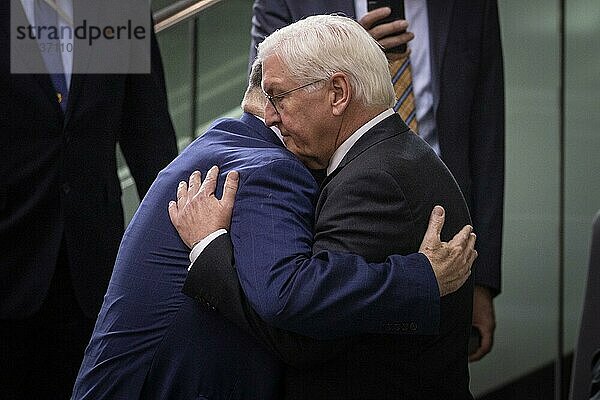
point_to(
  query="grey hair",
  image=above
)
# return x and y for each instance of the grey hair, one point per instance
(254, 80)
(317, 47)
(253, 96)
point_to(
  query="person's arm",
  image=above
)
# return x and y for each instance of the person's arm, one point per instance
(213, 280)
(487, 174)
(274, 219)
(327, 294)
(267, 17)
(388, 35)
(217, 286)
(147, 136)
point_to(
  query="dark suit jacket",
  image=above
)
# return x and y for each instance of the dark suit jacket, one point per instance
(468, 92)
(376, 203)
(59, 174)
(150, 340)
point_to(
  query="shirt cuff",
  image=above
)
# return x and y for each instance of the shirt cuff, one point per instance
(201, 245)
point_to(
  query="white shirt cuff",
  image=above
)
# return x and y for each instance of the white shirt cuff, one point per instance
(201, 245)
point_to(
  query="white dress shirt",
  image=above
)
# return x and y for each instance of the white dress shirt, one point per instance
(420, 61)
(343, 149)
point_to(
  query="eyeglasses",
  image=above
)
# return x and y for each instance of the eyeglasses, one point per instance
(274, 99)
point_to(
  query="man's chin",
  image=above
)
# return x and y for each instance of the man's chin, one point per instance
(309, 162)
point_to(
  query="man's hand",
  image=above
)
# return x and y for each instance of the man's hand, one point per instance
(451, 261)
(484, 319)
(388, 35)
(197, 212)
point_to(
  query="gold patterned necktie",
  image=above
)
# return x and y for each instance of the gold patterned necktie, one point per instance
(402, 80)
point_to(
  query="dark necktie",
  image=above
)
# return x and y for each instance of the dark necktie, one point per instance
(402, 80)
(50, 49)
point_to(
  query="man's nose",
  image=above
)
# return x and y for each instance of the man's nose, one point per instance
(271, 115)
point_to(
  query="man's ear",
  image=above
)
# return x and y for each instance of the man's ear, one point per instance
(340, 93)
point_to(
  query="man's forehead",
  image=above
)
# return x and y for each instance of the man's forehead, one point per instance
(273, 72)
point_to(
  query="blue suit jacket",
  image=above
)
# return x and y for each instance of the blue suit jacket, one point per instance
(468, 93)
(151, 341)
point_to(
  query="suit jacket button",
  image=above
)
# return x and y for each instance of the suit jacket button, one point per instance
(66, 188)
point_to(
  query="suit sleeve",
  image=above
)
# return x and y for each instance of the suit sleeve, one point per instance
(487, 154)
(147, 136)
(214, 282)
(267, 17)
(325, 295)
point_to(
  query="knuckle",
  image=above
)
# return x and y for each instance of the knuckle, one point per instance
(454, 251)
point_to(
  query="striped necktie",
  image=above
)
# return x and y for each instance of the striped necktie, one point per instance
(402, 81)
(51, 51)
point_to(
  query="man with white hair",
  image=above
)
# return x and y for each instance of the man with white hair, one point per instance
(329, 92)
(455, 61)
(152, 342)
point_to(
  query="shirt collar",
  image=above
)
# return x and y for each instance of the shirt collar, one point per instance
(343, 149)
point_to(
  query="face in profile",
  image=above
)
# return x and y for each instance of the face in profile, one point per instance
(303, 116)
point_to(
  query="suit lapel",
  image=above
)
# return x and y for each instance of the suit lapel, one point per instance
(391, 126)
(81, 52)
(440, 15)
(74, 90)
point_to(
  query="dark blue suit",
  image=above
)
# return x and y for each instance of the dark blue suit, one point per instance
(150, 340)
